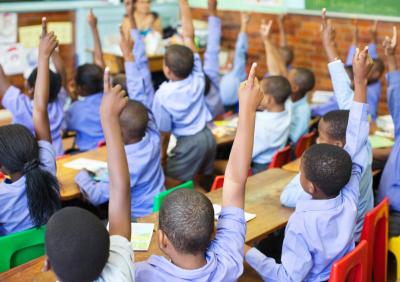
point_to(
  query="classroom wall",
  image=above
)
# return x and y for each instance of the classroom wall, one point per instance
(303, 35)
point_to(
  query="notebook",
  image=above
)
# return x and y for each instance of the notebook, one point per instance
(141, 236)
(218, 208)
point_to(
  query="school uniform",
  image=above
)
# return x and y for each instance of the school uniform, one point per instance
(211, 67)
(374, 89)
(179, 107)
(83, 117)
(300, 118)
(320, 232)
(321, 110)
(224, 255)
(21, 108)
(144, 164)
(270, 135)
(390, 180)
(14, 211)
(230, 82)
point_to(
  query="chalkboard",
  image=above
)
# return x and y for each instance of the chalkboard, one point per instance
(369, 7)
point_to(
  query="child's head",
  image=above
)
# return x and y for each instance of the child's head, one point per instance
(19, 156)
(287, 55)
(54, 87)
(301, 80)
(276, 90)
(89, 79)
(325, 170)
(186, 223)
(332, 128)
(377, 70)
(178, 62)
(133, 121)
(120, 79)
(77, 245)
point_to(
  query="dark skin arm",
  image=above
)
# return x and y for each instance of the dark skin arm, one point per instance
(275, 62)
(187, 25)
(165, 136)
(390, 45)
(4, 83)
(98, 52)
(362, 64)
(328, 38)
(60, 68)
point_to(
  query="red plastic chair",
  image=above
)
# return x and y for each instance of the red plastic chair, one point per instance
(375, 232)
(280, 158)
(219, 181)
(101, 143)
(353, 267)
(304, 143)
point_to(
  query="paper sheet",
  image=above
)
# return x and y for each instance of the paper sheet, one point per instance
(83, 163)
(13, 58)
(321, 97)
(380, 142)
(218, 208)
(8, 28)
(29, 35)
(141, 236)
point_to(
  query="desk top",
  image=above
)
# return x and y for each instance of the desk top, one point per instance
(262, 198)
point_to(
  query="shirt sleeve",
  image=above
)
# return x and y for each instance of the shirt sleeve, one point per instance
(372, 50)
(135, 84)
(373, 98)
(47, 156)
(242, 45)
(341, 84)
(211, 56)
(14, 101)
(162, 118)
(70, 116)
(350, 55)
(197, 67)
(95, 192)
(62, 97)
(393, 98)
(293, 192)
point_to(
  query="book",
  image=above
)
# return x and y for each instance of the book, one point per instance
(217, 211)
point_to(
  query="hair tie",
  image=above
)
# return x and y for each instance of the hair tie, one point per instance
(28, 166)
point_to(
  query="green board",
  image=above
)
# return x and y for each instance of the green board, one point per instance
(369, 7)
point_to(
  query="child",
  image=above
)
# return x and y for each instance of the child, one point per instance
(140, 135)
(179, 107)
(321, 230)
(186, 219)
(21, 105)
(31, 195)
(211, 62)
(78, 246)
(285, 50)
(374, 88)
(390, 180)
(230, 82)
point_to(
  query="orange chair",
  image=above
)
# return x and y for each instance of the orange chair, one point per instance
(101, 143)
(304, 142)
(219, 181)
(353, 266)
(280, 158)
(375, 232)
(63, 157)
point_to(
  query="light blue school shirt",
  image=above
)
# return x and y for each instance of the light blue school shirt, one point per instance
(211, 66)
(14, 211)
(270, 135)
(390, 180)
(83, 117)
(300, 118)
(321, 110)
(21, 107)
(230, 82)
(224, 255)
(179, 106)
(374, 90)
(144, 157)
(320, 232)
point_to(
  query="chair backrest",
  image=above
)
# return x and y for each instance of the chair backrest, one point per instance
(304, 142)
(218, 183)
(280, 158)
(101, 143)
(375, 232)
(21, 247)
(159, 199)
(353, 266)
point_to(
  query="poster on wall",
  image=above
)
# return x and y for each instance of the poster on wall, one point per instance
(8, 28)
(13, 58)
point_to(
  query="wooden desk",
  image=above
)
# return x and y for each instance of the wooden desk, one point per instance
(262, 198)
(293, 166)
(116, 63)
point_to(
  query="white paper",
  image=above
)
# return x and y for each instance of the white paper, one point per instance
(8, 28)
(141, 236)
(321, 97)
(83, 163)
(217, 211)
(13, 58)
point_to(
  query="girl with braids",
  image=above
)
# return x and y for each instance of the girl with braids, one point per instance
(31, 194)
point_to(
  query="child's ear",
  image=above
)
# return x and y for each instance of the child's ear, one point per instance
(162, 241)
(340, 144)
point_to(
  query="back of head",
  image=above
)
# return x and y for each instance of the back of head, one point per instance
(336, 124)
(19, 153)
(377, 68)
(54, 87)
(305, 80)
(328, 167)
(120, 79)
(180, 60)
(187, 218)
(77, 245)
(278, 87)
(89, 77)
(133, 120)
(287, 55)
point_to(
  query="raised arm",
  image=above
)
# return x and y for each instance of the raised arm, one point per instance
(60, 68)
(4, 83)
(187, 25)
(352, 49)
(119, 208)
(97, 52)
(374, 39)
(48, 43)
(282, 33)
(275, 62)
(239, 160)
(242, 45)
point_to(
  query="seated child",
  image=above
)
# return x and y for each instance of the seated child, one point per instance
(272, 122)
(179, 107)
(31, 194)
(21, 105)
(140, 135)
(390, 180)
(321, 230)
(186, 218)
(78, 246)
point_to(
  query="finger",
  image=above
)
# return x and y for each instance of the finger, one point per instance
(107, 80)
(324, 19)
(364, 53)
(91, 12)
(44, 26)
(117, 88)
(121, 31)
(394, 38)
(375, 25)
(252, 75)
(269, 24)
(357, 54)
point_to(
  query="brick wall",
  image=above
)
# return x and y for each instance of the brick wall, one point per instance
(303, 36)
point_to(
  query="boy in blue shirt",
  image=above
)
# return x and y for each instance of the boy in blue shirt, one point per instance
(140, 135)
(179, 107)
(321, 230)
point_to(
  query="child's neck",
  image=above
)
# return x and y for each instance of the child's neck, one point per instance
(189, 262)
(133, 140)
(275, 108)
(296, 97)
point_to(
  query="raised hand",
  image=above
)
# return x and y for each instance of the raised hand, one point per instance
(114, 99)
(48, 41)
(130, 6)
(362, 64)
(374, 33)
(126, 45)
(328, 35)
(265, 30)
(390, 44)
(244, 21)
(250, 95)
(355, 32)
(92, 19)
(212, 7)
(281, 19)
